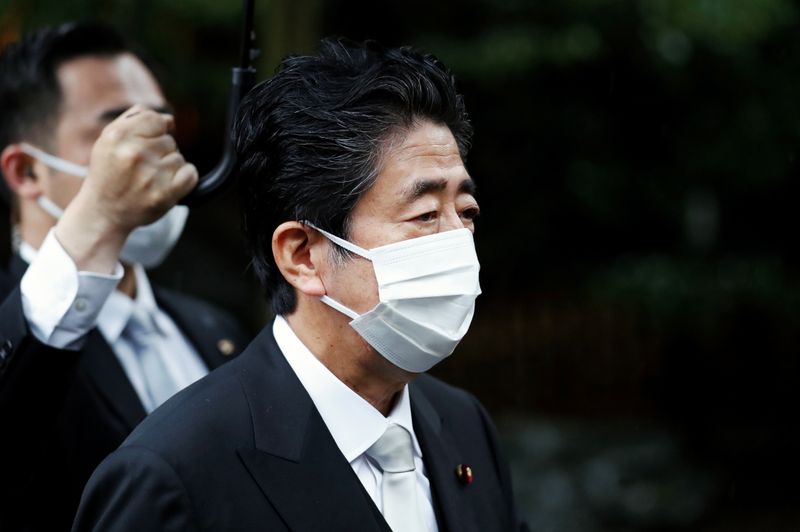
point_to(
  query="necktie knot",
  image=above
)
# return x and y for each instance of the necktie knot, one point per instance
(393, 451)
(393, 454)
(140, 323)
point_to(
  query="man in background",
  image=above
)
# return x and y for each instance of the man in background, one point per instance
(88, 348)
(360, 215)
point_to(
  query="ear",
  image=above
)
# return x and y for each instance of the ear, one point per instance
(299, 251)
(18, 171)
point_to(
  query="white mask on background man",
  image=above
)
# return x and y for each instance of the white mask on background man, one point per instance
(147, 245)
(427, 288)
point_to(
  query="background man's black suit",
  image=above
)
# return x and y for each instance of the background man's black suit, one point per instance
(245, 449)
(62, 412)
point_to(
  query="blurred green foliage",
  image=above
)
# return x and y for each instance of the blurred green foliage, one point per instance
(628, 153)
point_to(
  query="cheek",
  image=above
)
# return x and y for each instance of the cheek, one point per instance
(62, 188)
(354, 285)
(74, 140)
(80, 152)
(65, 188)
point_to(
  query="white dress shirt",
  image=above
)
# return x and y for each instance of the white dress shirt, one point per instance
(61, 305)
(354, 423)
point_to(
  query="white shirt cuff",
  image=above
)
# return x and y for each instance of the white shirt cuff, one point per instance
(60, 303)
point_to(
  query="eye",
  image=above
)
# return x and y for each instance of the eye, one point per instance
(427, 216)
(471, 213)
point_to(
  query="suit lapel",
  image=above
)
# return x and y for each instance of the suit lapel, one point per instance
(17, 267)
(100, 364)
(296, 462)
(441, 456)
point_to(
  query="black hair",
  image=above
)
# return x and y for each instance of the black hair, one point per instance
(30, 95)
(310, 140)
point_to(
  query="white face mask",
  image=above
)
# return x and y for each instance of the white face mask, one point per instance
(148, 245)
(427, 288)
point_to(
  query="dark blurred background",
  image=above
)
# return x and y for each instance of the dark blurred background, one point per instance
(637, 164)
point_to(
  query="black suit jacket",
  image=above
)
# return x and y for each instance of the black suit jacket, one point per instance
(62, 412)
(245, 449)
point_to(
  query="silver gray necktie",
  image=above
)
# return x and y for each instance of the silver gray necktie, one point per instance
(394, 455)
(143, 335)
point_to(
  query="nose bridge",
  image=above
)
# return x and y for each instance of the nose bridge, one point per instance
(450, 219)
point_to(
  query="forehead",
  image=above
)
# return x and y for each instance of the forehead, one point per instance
(93, 84)
(427, 152)
(426, 144)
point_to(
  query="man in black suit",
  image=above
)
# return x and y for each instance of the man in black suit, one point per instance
(360, 214)
(87, 347)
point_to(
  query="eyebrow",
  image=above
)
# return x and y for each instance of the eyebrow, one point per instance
(112, 114)
(428, 186)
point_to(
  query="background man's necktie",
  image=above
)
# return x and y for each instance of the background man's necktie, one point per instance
(144, 337)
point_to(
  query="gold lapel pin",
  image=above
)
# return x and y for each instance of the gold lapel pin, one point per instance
(464, 474)
(226, 347)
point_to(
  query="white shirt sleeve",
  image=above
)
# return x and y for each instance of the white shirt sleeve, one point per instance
(60, 303)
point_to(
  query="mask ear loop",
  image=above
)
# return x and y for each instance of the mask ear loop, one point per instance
(349, 246)
(49, 207)
(56, 163)
(338, 306)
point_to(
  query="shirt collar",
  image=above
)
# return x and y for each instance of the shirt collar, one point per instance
(117, 310)
(354, 423)
(26, 251)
